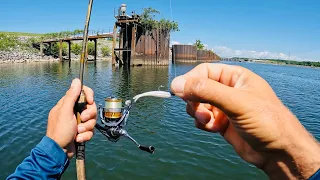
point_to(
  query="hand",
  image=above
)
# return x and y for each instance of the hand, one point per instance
(244, 109)
(62, 123)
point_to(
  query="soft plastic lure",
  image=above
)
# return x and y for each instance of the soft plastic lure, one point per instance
(160, 94)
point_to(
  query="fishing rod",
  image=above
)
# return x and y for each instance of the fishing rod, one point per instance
(81, 104)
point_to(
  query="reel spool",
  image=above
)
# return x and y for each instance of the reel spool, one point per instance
(113, 109)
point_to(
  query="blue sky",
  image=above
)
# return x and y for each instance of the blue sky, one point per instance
(251, 28)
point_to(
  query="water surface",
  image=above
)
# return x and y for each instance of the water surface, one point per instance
(29, 91)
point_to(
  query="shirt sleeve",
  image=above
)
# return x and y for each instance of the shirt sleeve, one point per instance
(46, 161)
(316, 176)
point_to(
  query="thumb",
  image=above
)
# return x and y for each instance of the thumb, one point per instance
(205, 90)
(72, 95)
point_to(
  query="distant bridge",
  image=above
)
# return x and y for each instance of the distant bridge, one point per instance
(78, 38)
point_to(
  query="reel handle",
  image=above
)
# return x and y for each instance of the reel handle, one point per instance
(149, 149)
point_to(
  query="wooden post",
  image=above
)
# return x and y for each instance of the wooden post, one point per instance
(50, 46)
(121, 38)
(114, 44)
(69, 52)
(121, 43)
(41, 49)
(60, 51)
(95, 49)
(133, 45)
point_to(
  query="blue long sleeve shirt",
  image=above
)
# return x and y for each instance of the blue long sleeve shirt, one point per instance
(46, 161)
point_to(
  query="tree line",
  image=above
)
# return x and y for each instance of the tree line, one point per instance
(297, 63)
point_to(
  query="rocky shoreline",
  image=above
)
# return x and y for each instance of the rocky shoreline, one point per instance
(26, 57)
(21, 54)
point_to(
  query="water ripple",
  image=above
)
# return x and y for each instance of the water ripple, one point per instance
(29, 91)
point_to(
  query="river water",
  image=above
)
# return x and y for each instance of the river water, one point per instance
(29, 91)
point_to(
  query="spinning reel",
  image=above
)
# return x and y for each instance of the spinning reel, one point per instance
(114, 118)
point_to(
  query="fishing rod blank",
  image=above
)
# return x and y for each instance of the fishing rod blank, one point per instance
(81, 104)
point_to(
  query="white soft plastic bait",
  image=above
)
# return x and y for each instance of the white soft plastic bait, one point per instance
(160, 94)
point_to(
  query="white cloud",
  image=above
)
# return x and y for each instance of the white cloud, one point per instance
(224, 51)
(175, 42)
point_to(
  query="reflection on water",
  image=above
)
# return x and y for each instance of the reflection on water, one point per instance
(29, 91)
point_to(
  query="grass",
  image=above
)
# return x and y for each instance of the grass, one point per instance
(21, 33)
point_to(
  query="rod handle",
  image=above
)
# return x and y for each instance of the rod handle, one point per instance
(80, 106)
(81, 170)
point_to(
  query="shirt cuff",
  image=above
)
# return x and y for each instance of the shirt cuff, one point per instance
(53, 150)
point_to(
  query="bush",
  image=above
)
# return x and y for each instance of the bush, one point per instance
(64, 48)
(91, 48)
(7, 41)
(55, 47)
(76, 49)
(32, 44)
(105, 51)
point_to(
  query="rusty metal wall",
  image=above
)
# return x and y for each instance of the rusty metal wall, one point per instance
(206, 55)
(216, 57)
(152, 50)
(184, 52)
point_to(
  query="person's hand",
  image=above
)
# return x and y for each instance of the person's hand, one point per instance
(62, 123)
(244, 109)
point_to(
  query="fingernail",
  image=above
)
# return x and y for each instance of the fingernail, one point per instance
(73, 83)
(177, 85)
(202, 117)
(81, 129)
(79, 139)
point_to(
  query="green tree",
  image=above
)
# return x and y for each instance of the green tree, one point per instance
(199, 45)
(149, 22)
(76, 49)
(105, 51)
(55, 49)
(78, 32)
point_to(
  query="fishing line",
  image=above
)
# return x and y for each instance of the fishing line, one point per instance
(161, 94)
(127, 45)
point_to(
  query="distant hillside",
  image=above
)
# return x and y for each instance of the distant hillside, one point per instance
(21, 33)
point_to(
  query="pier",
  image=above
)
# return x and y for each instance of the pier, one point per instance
(78, 38)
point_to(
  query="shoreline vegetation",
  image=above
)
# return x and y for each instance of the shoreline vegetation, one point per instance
(25, 47)
(18, 47)
(279, 62)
